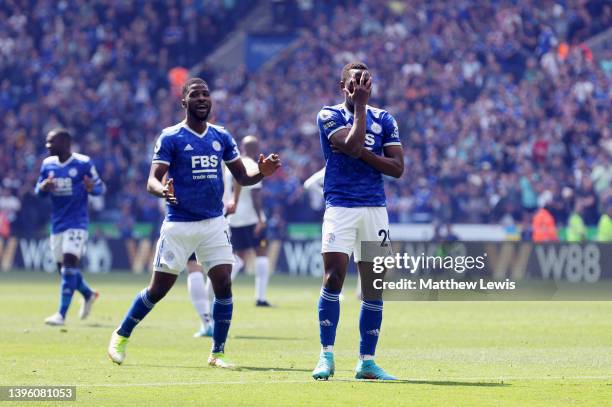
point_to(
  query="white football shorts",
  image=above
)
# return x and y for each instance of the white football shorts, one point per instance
(345, 228)
(70, 241)
(209, 239)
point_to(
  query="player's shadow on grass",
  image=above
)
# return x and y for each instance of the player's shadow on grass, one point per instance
(433, 382)
(267, 338)
(98, 325)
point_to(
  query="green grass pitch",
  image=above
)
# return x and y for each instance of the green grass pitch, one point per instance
(446, 353)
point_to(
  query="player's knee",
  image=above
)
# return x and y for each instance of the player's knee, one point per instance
(333, 280)
(223, 286)
(221, 280)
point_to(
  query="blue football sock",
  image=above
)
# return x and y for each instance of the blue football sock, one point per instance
(82, 286)
(329, 315)
(69, 284)
(140, 308)
(370, 320)
(222, 317)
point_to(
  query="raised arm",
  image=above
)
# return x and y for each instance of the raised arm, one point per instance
(350, 141)
(267, 166)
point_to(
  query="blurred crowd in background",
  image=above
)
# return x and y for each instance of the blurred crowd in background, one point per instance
(502, 108)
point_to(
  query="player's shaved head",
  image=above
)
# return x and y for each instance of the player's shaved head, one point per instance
(61, 134)
(346, 71)
(193, 81)
(250, 146)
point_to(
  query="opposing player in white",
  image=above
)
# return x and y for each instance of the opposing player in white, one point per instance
(191, 153)
(248, 225)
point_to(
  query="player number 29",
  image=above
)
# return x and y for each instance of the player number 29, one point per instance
(385, 235)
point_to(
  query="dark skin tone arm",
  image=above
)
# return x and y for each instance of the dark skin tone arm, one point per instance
(391, 164)
(267, 166)
(165, 190)
(156, 187)
(350, 141)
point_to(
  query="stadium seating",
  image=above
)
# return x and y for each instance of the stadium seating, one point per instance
(499, 104)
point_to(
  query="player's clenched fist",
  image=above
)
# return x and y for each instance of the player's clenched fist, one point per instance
(267, 166)
(168, 192)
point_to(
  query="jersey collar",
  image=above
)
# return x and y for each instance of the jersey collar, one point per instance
(65, 163)
(195, 133)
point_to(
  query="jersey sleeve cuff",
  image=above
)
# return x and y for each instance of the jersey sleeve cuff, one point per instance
(232, 160)
(334, 131)
(161, 162)
(392, 143)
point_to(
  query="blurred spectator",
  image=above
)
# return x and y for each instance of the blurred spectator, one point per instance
(604, 227)
(497, 102)
(576, 229)
(544, 228)
(9, 204)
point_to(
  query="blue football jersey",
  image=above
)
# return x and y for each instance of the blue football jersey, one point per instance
(350, 182)
(194, 162)
(69, 198)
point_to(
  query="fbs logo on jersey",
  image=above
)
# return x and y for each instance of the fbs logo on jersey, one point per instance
(188, 148)
(63, 186)
(204, 166)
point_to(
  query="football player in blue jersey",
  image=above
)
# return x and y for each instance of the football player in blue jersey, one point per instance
(68, 177)
(360, 144)
(190, 153)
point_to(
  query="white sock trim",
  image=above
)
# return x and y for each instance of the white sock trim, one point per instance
(328, 348)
